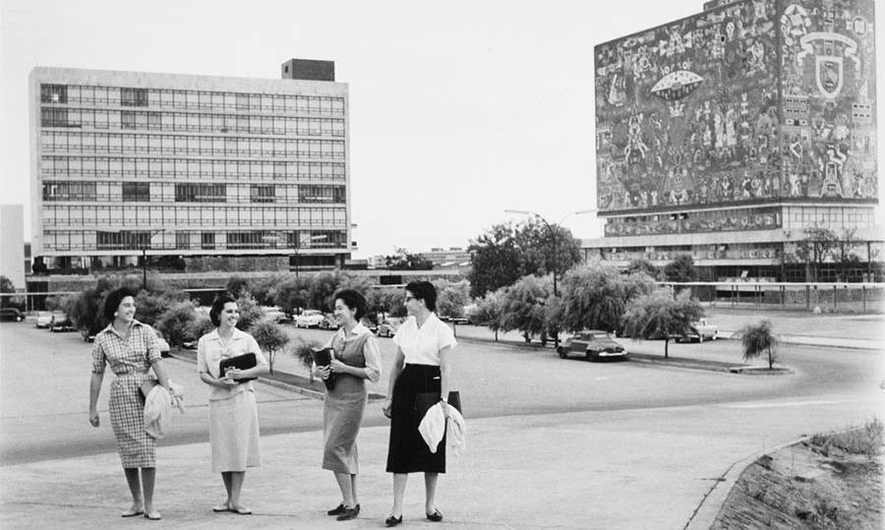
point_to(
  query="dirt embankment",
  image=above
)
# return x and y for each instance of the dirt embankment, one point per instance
(828, 482)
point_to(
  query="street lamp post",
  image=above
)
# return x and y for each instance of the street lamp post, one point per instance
(553, 241)
(144, 246)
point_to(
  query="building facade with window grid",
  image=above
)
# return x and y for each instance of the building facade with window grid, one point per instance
(184, 165)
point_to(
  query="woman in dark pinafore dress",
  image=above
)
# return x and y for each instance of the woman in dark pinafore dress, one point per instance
(356, 359)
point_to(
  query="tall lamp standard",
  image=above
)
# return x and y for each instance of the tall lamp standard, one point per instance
(295, 249)
(144, 246)
(553, 242)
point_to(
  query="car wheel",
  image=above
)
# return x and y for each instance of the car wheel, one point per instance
(561, 351)
(591, 356)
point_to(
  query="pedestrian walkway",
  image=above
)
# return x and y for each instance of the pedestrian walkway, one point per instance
(584, 470)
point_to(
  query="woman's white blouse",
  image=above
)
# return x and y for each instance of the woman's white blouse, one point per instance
(422, 345)
(211, 350)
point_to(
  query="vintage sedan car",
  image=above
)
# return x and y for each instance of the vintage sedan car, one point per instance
(165, 349)
(388, 327)
(700, 331)
(11, 313)
(60, 322)
(44, 318)
(595, 345)
(309, 318)
(274, 313)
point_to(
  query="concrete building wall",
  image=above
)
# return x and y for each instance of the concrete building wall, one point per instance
(187, 165)
(12, 244)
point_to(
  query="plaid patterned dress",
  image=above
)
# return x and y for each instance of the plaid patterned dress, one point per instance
(130, 360)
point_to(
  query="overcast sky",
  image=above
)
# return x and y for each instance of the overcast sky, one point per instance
(458, 109)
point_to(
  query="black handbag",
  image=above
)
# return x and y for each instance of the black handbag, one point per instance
(425, 400)
(243, 362)
(323, 357)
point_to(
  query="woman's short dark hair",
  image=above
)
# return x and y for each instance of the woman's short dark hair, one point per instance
(218, 307)
(113, 300)
(353, 300)
(423, 290)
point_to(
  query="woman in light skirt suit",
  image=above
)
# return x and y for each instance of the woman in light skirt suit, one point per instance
(233, 413)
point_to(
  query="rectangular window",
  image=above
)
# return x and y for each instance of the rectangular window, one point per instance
(53, 93)
(260, 193)
(54, 117)
(200, 193)
(134, 240)
(133, 97)
(136, 191)
(207, 240)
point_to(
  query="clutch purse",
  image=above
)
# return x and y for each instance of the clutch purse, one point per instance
(243, 362)
(425, 400)
(323, 357)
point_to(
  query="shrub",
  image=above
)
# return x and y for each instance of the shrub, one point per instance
(174, 322)
(271, 338)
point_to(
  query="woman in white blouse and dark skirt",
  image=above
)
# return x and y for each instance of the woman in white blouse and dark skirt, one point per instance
(422, 364)
(356, 359)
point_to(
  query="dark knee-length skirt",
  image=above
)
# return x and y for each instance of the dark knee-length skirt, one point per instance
(407, 452)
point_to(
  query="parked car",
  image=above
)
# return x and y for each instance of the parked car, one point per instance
(388, 327)
(88, 336)
(11, 313)
(164, 344)
(309, 318)
(329, 322)
(274, 313)
(44, 318)
(60, 322)
(592, 344)
(700, 331)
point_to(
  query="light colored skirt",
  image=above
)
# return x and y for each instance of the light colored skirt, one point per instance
(233, 432)
(342, 416)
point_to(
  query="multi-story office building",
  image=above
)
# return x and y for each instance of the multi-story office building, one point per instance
(130, 164)
(727, 134)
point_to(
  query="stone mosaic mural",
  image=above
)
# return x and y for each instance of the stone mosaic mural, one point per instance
(744, 103)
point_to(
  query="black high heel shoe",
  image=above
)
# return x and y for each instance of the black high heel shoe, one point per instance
(393, 521)
(436, 516)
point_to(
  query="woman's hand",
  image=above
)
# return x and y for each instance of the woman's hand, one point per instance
(234, 374)
(323, 372)
(337, 366)
(387, 408)
(93, 418)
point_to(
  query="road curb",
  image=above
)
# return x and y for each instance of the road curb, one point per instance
(711, 504)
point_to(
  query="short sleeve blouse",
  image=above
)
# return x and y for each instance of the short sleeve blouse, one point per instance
(422, 345)
(211, 350)
(132, 355)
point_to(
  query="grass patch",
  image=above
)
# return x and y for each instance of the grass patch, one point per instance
(865, 440)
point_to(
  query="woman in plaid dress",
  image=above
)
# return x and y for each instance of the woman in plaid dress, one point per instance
(131, 349)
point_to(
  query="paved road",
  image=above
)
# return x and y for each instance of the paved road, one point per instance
(44, 387)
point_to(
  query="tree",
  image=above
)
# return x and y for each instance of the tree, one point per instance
(644, 266)
(595, 296)
(250, 312)
(237, 286)
(681, 269)
(292, 293)
(403, 260)
(174, 322)
(504, 254)
(271, 338)
(546, 248)
(150, 305)
(6, 285)
(495, 260)
(451, 297)
(387, 300)
(488, 311)
(816, 247)
(199, 326)
(524, 306)
(660, 314)
(758, 338)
